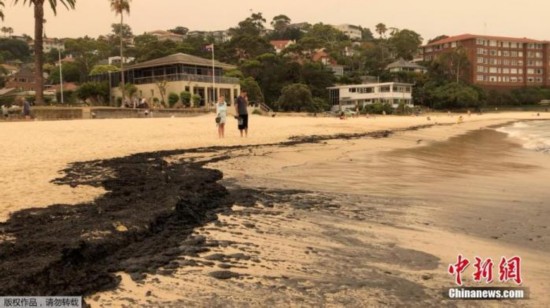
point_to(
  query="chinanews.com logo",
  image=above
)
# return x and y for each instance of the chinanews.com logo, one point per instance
(509, 272)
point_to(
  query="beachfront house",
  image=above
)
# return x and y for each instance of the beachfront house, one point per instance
(180, 72)
(393, 93)
(405, 66)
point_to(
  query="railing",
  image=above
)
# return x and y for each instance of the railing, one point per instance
(265, 107)
(186, 77)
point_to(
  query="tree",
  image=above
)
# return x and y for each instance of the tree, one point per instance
(119, 7)
(2, 11)
(71, 73)
(179, 30)
(126, 30)
(381, 29)
(247, 41)
(161, 85)
(452, 65)
(38, 42)
(455, 95)
(102, 69)
(296, 97)
(87, 52)
(280, 23)
(253, 89)
(12, 49)
(405, 43)
(94, 91)
(366, 34)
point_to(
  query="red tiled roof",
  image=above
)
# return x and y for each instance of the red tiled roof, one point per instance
(279, 44)
(464, 37)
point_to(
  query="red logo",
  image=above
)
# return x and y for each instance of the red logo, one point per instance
(509, 269)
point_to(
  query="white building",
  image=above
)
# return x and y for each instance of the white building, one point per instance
(392, 93)
(351, 31)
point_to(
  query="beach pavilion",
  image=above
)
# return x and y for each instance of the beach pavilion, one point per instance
(181, 72)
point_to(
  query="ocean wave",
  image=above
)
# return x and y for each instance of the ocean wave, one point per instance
(533, 135)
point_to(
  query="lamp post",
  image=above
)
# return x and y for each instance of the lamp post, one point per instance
(60, 75)
(110, 90)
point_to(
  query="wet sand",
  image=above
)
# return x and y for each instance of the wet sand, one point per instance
(345, 221)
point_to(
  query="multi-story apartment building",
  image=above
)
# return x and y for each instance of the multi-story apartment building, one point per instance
(351, 31)
(499, 62)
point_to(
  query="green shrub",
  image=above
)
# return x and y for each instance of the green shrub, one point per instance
(196, 100)
(173, 98)
(185, 98)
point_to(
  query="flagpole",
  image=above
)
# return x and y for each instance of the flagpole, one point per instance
(213, 76)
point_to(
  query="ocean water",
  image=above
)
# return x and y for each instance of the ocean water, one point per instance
(533, 135)
(483, 183)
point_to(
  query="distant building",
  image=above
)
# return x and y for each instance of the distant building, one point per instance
(393, 93)
(9, 69)
(322, 56)
(351, 31)
(280, 45)
(49, 44)
(182, 72)
(405, 66)
(162, 35)
(219, 36)
(498, 61)
(23, 80)
(302, 26)
(116, 60)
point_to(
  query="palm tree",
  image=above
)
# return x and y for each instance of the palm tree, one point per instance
(119, 7)
(38, 42)
(381, 29)
(4, 30)
(1, 11)
(10, 31)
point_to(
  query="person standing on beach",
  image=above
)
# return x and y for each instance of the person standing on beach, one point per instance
(241, 108)
(5, 111)
(221, 113)
(26, 109)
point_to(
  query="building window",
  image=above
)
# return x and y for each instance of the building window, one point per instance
(530, 71)
(492, 70)
(506, 71)
(480, 60)
(479, 77)
(480, 69)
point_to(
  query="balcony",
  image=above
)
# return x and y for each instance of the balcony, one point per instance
(185, 77)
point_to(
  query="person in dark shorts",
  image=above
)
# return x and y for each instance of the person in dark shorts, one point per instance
(241, 108)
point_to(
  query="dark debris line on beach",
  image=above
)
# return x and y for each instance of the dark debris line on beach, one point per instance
(141, 225)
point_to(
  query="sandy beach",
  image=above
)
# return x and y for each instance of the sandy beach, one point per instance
(304, 212)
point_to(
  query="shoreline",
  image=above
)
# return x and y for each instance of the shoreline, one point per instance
(179, 260)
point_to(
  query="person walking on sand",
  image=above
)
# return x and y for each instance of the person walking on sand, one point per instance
(221, 115)
(241, 108)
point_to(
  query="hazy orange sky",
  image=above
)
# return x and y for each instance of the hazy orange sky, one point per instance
(527, 18)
